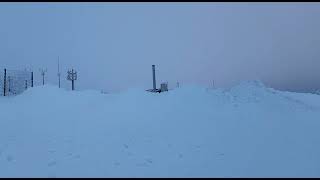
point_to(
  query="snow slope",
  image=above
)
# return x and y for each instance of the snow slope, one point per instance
(246, 131)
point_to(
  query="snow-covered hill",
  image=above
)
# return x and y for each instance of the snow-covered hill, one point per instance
(246, 131)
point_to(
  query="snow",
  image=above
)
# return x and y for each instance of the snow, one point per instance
(247, 131)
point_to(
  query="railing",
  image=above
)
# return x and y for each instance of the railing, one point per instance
(13, 82)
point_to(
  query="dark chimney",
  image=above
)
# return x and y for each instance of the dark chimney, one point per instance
(154, 77)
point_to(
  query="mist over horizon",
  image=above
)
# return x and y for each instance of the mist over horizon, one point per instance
(113, 45)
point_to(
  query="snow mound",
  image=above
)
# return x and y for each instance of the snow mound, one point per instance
(250, 91)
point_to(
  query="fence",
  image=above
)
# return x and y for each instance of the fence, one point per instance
(13, 82)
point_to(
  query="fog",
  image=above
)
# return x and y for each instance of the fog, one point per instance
(113, 45)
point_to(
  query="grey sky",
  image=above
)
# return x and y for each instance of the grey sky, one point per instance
(113, 45)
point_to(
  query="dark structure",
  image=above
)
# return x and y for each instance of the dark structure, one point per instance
(72, 76)
(9, 84)
(163, 86)
(32, 79)
(43, 73)
(154, 89)
(154, 77)
(59, 74)
(5, 82)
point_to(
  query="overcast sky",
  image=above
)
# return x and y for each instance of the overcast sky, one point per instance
(113, 45)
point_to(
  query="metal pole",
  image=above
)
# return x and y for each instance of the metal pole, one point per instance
(32, 79)
(154, 77)
(9, 84)
(59, 81)
(4, 82)
(59, 70)
(43, 73)
(72, 80)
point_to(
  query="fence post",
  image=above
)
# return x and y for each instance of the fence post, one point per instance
(9, 85)
(4, 82)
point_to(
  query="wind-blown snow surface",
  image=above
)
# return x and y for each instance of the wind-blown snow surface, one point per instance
(247, 131)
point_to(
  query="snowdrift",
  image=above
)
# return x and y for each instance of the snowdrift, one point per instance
(246, 131)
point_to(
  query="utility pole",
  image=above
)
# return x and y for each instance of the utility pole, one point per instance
(43, 73)
(4, 82)
(59, 74)
(9, 84)
(32, 79)
(72, 76)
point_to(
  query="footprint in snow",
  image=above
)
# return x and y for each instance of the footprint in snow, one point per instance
(9, 158)
(220, 155)
(142, 164)
(52, 151)
(149, 160)
(52, 163)
(197, 147)
(76, 157)
(126, 146)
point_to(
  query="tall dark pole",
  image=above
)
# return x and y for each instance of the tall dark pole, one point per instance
(72, 76)
(154, 77)
(32, 79)
(59, 74)
(43, 73)
(72, 81)
(9, 84)
(59, 82)
(4, 82)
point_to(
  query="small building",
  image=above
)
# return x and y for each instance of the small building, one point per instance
(164, 87)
